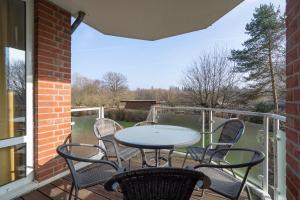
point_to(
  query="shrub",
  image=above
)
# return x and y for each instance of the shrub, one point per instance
(126, 115)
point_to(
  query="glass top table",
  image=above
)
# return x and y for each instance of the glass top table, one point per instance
(157, 137)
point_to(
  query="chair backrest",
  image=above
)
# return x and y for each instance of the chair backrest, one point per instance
(105, 127)
(158, 183)
(65, 152)
(256, 158)
(145, 123)
(232, 130)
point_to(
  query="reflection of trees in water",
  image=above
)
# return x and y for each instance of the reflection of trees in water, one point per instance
(16, 82)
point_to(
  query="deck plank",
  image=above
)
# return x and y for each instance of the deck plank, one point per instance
(35, 195)
(53, 192)
(86, 194)
(59, 189)
(98, 189)
(19, 198)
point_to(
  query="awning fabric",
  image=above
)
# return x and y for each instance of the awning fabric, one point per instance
(148, 19)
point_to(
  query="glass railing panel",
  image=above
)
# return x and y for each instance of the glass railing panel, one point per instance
(177, 117)
(253, 138)
(82, 129)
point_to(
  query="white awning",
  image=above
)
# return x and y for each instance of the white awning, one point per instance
(148, 19)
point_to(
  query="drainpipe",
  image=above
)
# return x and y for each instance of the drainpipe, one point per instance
(78, 20)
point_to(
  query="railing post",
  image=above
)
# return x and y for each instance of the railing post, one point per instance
(279, 162)
(154, 113)
(210, 125)
(203, 128)
(101, 112)
(266, 151)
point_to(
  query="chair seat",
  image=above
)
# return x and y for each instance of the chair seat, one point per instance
(222, 182)
(126, 153)
(94, 174)
(197, 153)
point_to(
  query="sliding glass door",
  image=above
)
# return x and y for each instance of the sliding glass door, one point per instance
(16, 160)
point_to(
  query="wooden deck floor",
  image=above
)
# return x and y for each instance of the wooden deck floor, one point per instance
(59, 189)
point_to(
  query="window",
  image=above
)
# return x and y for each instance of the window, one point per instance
(12, 89)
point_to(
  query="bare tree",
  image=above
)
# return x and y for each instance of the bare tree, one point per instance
(16, 81)
(209, 81)
(116, 83)
(88, 92)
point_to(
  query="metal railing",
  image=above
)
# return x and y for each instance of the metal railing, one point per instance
(273, 138)
(99, 109)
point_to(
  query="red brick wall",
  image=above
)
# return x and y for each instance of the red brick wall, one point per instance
(52, 86)
(293, 99)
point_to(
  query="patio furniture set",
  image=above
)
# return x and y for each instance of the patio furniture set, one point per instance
(157, 179)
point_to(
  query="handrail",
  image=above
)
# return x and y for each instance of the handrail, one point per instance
(99, 109)
(240, 112)
(85, 109)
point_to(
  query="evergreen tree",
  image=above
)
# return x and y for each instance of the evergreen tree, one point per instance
(263, 54)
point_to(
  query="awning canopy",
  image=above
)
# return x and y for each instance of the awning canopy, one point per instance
(148, 19)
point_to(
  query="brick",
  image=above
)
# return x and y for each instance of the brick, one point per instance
(293, 99)
(52, 86)
(292, 81)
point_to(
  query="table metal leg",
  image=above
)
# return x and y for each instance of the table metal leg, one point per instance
(156, 158)
(144, 162)
(170, 158)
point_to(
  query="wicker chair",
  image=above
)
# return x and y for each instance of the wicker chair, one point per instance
(226, 184)
(104, 130)
(232, 130)
(97, 170)
(157, 183)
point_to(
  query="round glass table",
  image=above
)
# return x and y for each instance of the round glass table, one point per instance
(157, 137)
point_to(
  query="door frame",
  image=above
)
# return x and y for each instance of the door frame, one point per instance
(28, 138)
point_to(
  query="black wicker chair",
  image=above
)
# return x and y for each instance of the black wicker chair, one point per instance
(104, 130)
(225, 183)
(95, 172)
(232, 130)
(157, 183)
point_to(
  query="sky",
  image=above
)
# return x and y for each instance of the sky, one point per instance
(161, 63)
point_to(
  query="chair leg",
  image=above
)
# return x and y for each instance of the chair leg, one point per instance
(248, 192)
(76, 193)
(71, 191)
(184, 159)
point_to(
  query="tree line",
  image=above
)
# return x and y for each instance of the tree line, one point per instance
(237, 78)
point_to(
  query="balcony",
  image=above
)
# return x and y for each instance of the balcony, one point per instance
(263, 131)
(59, 189)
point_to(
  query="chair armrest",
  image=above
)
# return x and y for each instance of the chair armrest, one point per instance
(118, 125)
(121, 170)
(115, 185)
(213, 144)
(232, 166)
(220, 143)
(115, 148)
(112, 185)
(88, 160)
